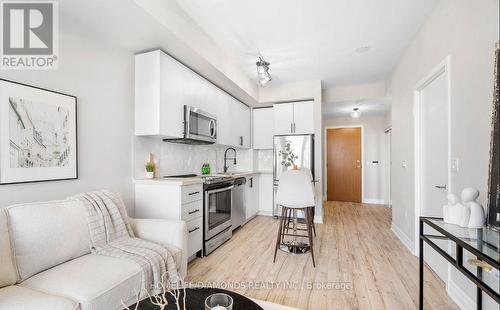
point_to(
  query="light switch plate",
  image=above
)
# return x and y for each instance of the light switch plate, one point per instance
(454, 164)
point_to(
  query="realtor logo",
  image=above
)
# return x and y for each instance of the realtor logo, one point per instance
(29, 35)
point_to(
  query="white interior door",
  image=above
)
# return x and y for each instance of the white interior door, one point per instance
(434, 160)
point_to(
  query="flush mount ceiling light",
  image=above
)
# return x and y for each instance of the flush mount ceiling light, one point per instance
(355, 113)
(263, 72)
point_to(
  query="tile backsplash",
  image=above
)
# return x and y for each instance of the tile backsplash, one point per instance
(173, 158)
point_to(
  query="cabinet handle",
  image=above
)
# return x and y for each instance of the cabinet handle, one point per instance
(193, 212)
(193, 193)
(293, 127)
(194, 229)
(241, 140)
(251, 182)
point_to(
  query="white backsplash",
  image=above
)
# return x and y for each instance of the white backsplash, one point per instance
(173, 158)
(264, 160)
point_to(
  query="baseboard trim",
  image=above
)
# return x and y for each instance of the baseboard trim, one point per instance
(265, 213)
(463, 301)
(403, 238)
(373, 201)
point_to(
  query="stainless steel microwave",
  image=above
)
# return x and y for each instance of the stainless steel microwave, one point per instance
(199, 126)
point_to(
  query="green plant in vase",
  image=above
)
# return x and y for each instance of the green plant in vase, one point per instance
(150, 169)
(287, 156)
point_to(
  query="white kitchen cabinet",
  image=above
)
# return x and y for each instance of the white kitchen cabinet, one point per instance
(173, 202)
(251, 196)
(294, 118)
(266, 194)
(263, 128)
(163, 86)
(283, 118)
(239, 116)
(303, 117)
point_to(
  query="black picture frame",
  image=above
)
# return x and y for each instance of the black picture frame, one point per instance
(75, 122)
(494, 166)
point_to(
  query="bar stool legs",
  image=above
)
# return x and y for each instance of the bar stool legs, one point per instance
(295, 246)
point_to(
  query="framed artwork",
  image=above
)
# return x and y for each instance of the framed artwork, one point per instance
(494, 173)
(38, 134)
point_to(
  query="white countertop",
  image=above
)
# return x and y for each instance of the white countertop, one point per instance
(190, 181)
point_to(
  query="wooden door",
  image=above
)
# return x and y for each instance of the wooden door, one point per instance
(344, 164)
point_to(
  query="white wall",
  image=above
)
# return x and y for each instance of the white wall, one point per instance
(373, 149)
(101, 76)
(302, 91)
(466, 31)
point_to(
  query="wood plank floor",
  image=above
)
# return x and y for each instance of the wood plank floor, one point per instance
(354, 246)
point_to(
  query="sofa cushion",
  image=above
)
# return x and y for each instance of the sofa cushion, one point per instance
(22, 298)
(8, 275)
(46, 234)
(95, 281)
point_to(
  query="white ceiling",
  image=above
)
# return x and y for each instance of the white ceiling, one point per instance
(315, 39)
(371, 107)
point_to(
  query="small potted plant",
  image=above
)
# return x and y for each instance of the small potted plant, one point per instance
(150, 170)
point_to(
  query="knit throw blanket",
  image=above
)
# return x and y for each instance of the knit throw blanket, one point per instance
(111, 235)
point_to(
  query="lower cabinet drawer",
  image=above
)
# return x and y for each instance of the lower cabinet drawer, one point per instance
(195, 235)
(192, 210)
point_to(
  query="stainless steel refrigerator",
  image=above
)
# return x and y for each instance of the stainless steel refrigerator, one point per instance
(290, 150)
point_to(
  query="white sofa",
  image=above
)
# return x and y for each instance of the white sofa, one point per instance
(45, 259)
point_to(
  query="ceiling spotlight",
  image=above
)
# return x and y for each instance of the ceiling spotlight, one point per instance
(263, 71)
(355, 113)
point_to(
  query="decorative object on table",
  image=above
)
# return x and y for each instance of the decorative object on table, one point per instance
(205, 169)
(219, 301)
(469, 199)
(150, 167)
(452, 212)
(194, 299)
(494, 168)
(38, 139)
(287, 156)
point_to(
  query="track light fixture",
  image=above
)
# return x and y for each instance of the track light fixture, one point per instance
(263, 72)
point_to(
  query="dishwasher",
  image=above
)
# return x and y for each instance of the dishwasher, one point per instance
(238, 205)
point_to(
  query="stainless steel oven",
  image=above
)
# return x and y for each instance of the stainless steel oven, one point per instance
(218, 202)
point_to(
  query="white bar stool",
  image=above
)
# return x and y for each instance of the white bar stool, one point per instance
(295, 193)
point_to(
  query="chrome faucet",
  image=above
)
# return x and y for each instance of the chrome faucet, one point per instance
(225, 158)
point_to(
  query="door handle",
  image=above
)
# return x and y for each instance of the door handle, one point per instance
(441, 186)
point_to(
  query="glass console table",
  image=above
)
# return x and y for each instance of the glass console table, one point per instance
(483, 244)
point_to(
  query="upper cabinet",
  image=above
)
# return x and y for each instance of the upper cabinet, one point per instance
(294, 118)
(263, 128)
(163, 86)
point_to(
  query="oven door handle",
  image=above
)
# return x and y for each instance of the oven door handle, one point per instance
(213, 191)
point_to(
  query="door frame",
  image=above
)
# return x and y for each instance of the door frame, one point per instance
(444, 67)
(388, 166)
(325, 161)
